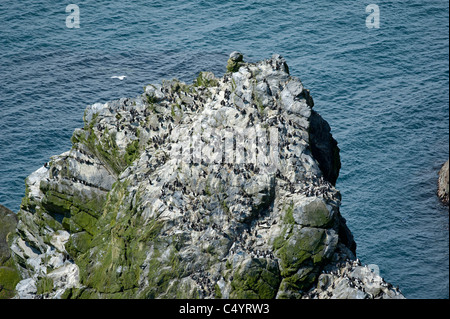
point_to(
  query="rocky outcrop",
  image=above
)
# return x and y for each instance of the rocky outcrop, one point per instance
(223, 188)
(9, 275)
(351, 280)
(443, 183)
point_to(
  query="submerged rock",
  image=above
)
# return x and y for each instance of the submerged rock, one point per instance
(223, 188)
(443, 183)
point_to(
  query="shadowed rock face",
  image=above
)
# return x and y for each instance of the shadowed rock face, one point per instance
(218, 189)
(443, 183)
(324, 148)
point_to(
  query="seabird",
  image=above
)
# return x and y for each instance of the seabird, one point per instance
(120, 77)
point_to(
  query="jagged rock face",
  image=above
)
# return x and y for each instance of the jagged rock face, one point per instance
(219, 189)
(443, 184)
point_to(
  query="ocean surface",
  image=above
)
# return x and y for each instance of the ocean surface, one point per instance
(384, 91)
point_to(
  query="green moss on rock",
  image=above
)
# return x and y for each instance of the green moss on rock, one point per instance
(256, 279)
(113, 264)
(289, 215)
(233, 64)
(56, 203)
(206, 79)
(44, 285)
(132, 152)
(78, 243)
(9, 277)
(301, 246)
(86, 221)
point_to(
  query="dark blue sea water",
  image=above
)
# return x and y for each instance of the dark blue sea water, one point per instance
(385, 93)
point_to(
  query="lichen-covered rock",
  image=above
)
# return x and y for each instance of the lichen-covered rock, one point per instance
(223, 188)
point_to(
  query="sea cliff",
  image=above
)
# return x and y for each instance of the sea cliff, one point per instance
(223, 188)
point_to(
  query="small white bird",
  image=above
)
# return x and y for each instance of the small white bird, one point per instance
(120, 77)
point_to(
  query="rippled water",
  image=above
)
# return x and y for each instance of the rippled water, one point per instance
(384, 92)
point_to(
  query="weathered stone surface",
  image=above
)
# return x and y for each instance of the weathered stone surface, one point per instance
(223, 188)
(443, 183)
